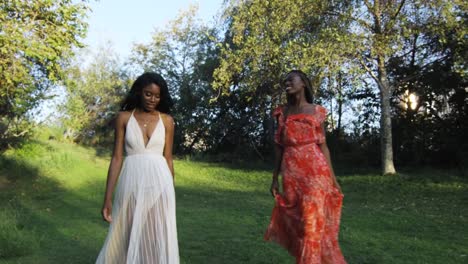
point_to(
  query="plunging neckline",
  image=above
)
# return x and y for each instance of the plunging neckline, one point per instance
(141, 131)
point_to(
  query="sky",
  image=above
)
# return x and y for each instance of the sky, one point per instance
(123, 22)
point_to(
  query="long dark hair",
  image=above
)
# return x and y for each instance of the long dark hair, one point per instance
(309, 96)
(133, 99)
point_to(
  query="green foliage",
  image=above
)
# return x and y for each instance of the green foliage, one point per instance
(428, 130)
(186, 55)
(326, 39)
(266, 39)
(225, 81)
(94, 93)
(36, 39)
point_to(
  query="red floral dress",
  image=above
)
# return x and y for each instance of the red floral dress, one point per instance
(306, 216)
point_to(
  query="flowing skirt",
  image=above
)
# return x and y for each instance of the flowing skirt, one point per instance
(143, 228)
(306, 216)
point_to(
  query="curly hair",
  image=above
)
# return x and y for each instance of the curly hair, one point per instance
(133, 98)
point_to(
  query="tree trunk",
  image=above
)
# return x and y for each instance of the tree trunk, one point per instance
(340, 102)
(386, 146)
(332, 96)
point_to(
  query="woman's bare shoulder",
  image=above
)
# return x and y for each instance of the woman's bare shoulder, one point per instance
(122, 117)
(167, 119)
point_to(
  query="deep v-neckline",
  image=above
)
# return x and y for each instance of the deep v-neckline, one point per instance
(141, 131)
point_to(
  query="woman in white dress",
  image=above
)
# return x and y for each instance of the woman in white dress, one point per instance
(142, 219)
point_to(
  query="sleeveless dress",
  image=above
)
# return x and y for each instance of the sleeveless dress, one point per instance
(143, 228)
(306, 216)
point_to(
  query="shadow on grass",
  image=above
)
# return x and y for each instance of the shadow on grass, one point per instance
(53, 216)
(404, 219)
(14, 169)
(262, 166)
(225, 226)
(385, 219)
(242, 166)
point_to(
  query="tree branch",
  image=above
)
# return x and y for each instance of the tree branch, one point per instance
(368, 5)
(362, 22)
(371, 73)
(392, 21)
(402, 3)
(420, 70)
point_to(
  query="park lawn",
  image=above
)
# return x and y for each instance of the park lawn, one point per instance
(51, 195)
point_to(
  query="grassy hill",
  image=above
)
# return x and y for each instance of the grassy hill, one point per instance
(51, 196)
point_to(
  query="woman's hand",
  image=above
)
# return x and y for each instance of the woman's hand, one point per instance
(337, 185)
(107, 212)
(274, 189)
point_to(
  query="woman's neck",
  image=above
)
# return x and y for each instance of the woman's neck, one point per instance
(298, 100)
(143, 110)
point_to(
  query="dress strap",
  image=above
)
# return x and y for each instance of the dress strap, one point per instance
(161, 120)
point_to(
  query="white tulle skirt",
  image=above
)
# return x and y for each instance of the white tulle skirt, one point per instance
(143, 228)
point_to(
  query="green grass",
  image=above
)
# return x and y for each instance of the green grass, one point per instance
(51, 195)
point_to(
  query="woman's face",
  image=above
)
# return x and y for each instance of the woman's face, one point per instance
(293, 84)
(150, 97)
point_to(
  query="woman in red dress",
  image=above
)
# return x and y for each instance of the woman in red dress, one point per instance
(306, 216)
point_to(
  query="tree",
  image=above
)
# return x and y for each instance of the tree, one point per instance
(264, 40)
(186, 55)
(267, 38)
(430, 100)
(36, 39)
(378, 31)
(94, 92)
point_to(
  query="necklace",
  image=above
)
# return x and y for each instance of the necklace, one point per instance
(146, 120)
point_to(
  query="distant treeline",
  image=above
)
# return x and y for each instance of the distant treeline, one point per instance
(391, 73)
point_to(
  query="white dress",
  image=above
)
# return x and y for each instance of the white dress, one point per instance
(143, 228)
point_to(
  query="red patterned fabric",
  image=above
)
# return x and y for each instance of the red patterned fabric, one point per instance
(306, 216)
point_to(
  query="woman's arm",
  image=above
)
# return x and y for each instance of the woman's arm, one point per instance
(278, 158)
(326, 153)
(115, 165)
(169, 141)
(276, 170)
